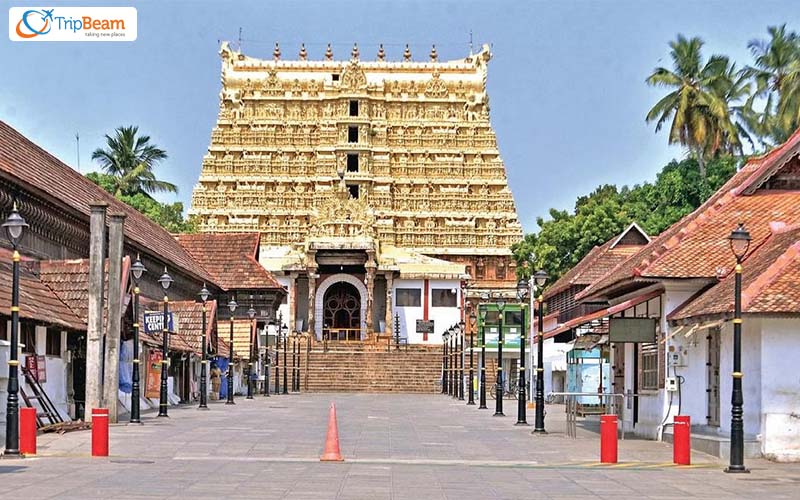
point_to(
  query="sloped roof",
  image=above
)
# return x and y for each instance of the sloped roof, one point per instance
(770, 279)
(34, 167)
(36, 300)
(189, 317)
(697, 246)
(599, 261)
(230, 259)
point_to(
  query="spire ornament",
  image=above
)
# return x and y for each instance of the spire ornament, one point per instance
(354, 53)
(381, 53)
(303, 53)
(407, 54)
(329, 53)
(434, 54)
(276, 54)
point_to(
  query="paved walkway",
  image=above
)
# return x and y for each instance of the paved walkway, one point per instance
(396, 447)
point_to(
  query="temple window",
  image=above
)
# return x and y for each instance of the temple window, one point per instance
(408, 297)
(352, 162)
(500, 272)
(443, 297)
(352, 134)
(353, 188)
(353, 108)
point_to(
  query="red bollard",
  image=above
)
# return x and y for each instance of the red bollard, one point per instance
(99, 432)
(608, 439)
(682, 440)
(27, 431)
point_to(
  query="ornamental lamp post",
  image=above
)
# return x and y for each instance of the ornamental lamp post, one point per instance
(740, 242)
(461, 361)
(539, 279)
(251, 313)
(14, 226)
(498, 407)
(285, 333)
(444, 362)
(453, 361)
(277, 376)
(232, 305)
(165, 281)
(204, 295)
(482, 312)
(137, 270)
(472, 320)
(522, 293)
(267, 361)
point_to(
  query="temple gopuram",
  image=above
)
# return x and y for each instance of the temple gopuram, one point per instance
(377, 187)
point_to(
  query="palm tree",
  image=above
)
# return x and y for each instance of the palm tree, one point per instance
(776, 74)
(130, 160)
(698, 105)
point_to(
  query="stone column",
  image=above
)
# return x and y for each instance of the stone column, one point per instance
(116, 236)
(292, 301)
(311, 269)
(370, 282)
(94, 333)
(389, 316)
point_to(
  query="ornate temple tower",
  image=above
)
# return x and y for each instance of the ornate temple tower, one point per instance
(381, 171)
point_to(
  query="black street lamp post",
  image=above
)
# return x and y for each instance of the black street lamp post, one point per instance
(498, 407)
(251, 313)
(522, 294)
(461, 361)
(278, 330)
(204, 295)
(482, 397)
(472, 320)
(454, 362)
(137, 270)
(165, 280)
(539, 279)
(740, 242)
(285, 332)
(232, 305)
(14, 227)
(444, 362)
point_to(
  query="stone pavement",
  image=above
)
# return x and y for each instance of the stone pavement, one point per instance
(395, 446)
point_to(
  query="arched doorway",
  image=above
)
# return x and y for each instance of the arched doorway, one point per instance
(341, 312)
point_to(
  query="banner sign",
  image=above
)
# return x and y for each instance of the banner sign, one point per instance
(154, 322)
(511, 337)
(153, 378)
(424, 326)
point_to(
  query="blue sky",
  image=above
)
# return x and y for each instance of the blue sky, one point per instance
(568, 97)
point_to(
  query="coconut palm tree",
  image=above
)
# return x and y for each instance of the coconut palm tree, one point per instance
(776, 74)
(130, 160)
(698, 104)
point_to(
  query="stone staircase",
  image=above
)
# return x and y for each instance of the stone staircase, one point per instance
(367, 367)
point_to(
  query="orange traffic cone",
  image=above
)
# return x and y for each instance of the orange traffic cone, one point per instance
(332, 453)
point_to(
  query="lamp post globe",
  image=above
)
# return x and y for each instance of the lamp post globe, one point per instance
(204, 296)
(165, 281)
(739, 240)
(14, 227)
(539, 278)
(232, 305)
(137, 271)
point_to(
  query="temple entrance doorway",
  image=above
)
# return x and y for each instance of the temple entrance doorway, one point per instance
(341, 313)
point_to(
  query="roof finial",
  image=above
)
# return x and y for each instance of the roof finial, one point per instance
(329, 53)
(303, 53)
(276, 54)
(354, 53)
(381, 53)
(434, 55)
(407, 54)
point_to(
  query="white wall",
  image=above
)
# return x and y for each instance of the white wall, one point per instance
(751, 382)
(443, 317)
(56, 385)
(780, 390)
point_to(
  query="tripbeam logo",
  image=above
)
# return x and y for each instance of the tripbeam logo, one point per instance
(72, 24)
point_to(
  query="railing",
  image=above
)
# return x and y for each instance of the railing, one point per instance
(571, 404)
(340, 335)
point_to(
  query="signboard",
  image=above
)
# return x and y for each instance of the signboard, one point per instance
(634, 330)
(37, 365)
(424, 326)
(154, 322)
(153, 379)
(511, 337)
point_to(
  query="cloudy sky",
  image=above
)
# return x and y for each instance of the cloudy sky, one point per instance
(567, 89)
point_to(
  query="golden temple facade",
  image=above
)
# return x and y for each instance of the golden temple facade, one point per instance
(380, 156)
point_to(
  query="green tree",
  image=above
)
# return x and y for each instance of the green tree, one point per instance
(566, 237)
(167, 215)
(130, 161)
(699, 102)
(776, 74)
